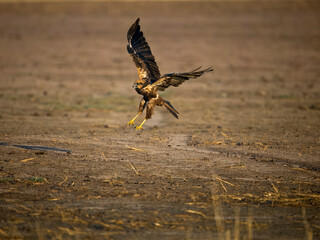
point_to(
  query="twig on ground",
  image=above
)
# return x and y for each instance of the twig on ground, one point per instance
(66, 178)
(134, 169)
(135, 149)
(27, 159)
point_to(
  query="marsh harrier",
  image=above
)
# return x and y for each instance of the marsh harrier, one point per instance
(150, 81)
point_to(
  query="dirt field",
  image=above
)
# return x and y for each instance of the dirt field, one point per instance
(242, 162)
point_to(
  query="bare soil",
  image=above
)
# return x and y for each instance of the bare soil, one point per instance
(242, 162)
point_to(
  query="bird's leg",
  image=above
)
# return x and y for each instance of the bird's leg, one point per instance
(140, 126)
(142, 106)
(132, 121)
(150, 106)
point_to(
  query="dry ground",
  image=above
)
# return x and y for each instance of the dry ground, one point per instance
(242, 161)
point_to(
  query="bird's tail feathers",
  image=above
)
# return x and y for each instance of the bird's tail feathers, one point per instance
(170, 108)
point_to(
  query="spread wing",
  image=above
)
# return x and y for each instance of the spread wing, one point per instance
(175, 79)
(140, 51)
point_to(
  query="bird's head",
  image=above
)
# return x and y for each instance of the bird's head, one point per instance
(140, 83)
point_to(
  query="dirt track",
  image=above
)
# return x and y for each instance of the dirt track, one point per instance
(242, 160)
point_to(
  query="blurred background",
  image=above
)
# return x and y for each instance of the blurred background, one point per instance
(59, 56)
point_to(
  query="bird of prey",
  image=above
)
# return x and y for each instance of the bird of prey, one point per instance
(150, 81)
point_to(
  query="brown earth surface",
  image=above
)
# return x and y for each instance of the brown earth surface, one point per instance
(242, 162)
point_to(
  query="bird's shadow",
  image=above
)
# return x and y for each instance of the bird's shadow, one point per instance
(36, 147)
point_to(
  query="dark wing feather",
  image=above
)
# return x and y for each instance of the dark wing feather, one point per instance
(175, 79)
(140, 51)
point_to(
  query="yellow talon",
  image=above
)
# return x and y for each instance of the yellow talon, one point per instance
(140, 127)
(130, 123)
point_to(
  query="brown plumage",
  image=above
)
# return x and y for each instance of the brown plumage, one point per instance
(150, 81)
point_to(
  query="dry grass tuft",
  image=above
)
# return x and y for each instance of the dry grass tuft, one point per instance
(307, 227)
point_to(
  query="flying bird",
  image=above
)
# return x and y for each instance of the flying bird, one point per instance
(150, 81)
